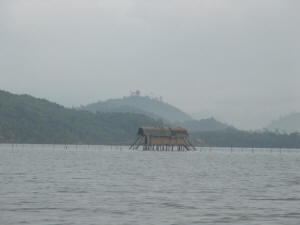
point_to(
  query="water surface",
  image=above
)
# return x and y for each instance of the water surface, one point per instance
(52, 184)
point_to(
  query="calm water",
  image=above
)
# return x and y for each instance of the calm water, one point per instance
(99, 185)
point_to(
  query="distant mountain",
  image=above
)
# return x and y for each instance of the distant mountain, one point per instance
(25, 119)
(209, 124)
(289, 123)
(140, 104)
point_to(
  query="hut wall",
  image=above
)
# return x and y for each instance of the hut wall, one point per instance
(152, 140)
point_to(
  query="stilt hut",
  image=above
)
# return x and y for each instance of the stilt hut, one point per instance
(162, 138)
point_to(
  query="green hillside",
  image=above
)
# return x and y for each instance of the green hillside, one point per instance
(209, 124)
(140, 104)
(25, 119)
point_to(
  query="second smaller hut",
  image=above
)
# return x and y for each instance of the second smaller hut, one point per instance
(163, 138)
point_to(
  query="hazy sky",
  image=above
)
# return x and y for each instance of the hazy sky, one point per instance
(236, 60)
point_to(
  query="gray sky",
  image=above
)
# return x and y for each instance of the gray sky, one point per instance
(236, 60)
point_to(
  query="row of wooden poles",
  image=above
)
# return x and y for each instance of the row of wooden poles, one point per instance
(59, 146)
(148, 147)
(166, 148)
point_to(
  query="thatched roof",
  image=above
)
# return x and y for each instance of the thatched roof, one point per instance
(163, 131)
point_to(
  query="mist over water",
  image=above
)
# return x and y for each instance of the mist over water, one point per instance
(52, 184)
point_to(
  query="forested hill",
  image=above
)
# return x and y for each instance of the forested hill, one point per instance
(232, 137)
(289, 123)
(209, 124)
(152, 107)
(25, 119)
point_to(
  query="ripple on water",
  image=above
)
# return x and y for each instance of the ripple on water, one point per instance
(92, 186)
